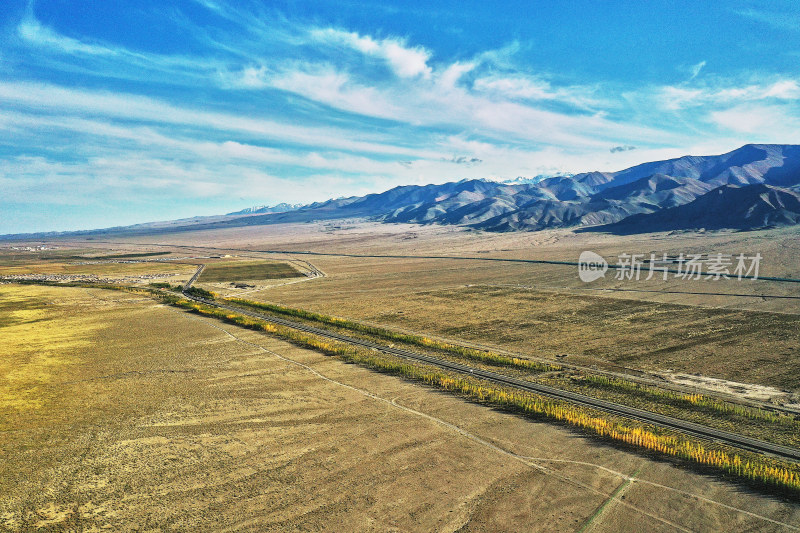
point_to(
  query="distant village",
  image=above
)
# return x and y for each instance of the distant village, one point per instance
(92, 278)
(39, 248)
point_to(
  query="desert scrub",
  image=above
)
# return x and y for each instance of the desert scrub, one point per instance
(487, 357)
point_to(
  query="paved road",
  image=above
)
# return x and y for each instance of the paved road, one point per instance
(194, 277)
(690, 428)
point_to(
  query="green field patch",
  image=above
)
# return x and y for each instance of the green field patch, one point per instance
(249, 270)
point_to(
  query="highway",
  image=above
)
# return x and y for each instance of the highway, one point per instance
(691, 428)
(194, 278)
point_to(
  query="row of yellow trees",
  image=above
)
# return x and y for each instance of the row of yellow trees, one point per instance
(681, 400)
(753, 467)
(698, 400)
(785, 476)
(483, 356)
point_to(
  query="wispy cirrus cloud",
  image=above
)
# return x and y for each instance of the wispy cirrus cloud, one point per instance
(680, 97)
(695, 70)
(32, 31)
(422, 95)
(442, 101)
(250, 97)
(781, 20)
(754, 118)
(339, 90)
(406, 61)
(130, 107)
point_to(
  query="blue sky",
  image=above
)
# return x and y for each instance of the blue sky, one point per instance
(117, 112)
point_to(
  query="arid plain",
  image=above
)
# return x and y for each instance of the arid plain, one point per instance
(120, 412)
(739, 330)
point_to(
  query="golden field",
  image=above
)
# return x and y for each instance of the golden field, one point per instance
(121, 413)
(742, 331)
(153, 419)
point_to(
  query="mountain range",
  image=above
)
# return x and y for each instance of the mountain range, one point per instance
(277, 208)
(728, 206)
(752, 187)
(520, 180)
(755, 186)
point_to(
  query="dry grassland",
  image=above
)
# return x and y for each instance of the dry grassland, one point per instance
(123, 414)
(779, 248)
(457, 300)
(545, 310)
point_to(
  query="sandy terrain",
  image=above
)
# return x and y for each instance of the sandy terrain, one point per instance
(123, 414)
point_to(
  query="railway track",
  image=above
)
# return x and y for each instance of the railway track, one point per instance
(690, 428)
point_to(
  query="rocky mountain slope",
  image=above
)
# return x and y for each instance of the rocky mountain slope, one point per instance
(753, 186)
(587, 199)
(742, 207)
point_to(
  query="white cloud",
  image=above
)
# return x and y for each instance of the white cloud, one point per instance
(679, 97)
(502, 58)
(211, 6)
(421, 96)
(249, 78)
(695, 69)
(757, 119)
(674, 98)
(517, 87)
(32, 31)
(785, 90)
(440, 101)
(104, 167)
(105, 60)
(450, 76)
(406, 61)
(785, 20)
(521, 87)
(102, 141)
(337, 90)
(130, 107)
(115, 178)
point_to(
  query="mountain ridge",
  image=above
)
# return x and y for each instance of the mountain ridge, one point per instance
(599, 199)
(730, 206)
